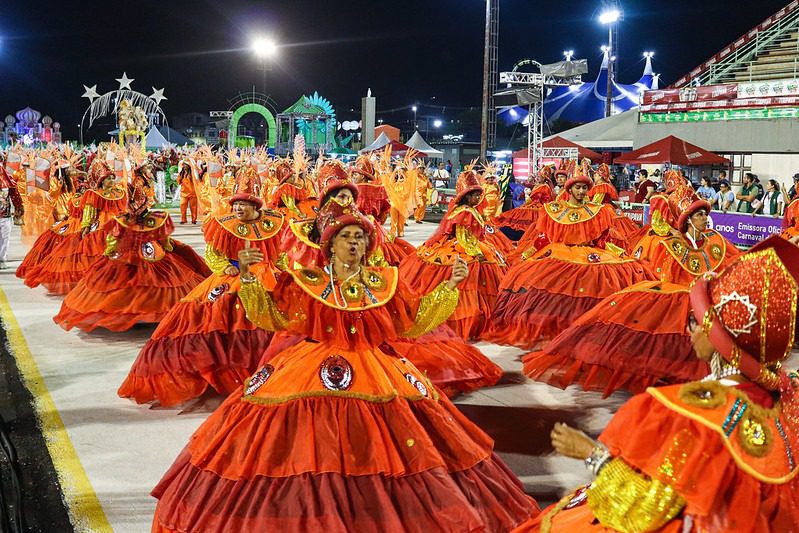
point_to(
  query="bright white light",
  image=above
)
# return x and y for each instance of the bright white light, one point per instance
(649, 54)
(514, 113)
(610, 16)
(413, 109)
(604, 48)
(437, 123)
(264, 48)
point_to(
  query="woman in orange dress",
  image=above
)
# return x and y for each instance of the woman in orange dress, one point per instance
(520, 220)
(333, 433)
(138, 278)
(603, 192)
(205, 339)
(713, 455)
(460, 235)
(61, 270)
(292, 196)
(532, 239)
(790, 220)
(453, 365)
(637, 336)
(546, 292)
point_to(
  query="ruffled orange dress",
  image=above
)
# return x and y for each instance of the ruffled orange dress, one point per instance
(138, 279)
(51, 238)
(517, 221)
(205, 339)
(460, 234)
(453, 365)
(333, 433)
(637, 336)
(695, 457)
(373, 202)
(623, 228)
(546, 292)
(68, 262)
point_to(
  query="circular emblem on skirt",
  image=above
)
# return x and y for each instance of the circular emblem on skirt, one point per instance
(218, 291)
(258, 379)
(148, 250)
(594, 258)
(489, 229)
(417, 383)
(336, 373)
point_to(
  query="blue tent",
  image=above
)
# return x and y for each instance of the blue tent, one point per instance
(586, 102)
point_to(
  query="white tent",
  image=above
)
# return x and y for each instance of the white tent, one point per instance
(615, 131)
(154, 139)
(378, 143)
(418, 143)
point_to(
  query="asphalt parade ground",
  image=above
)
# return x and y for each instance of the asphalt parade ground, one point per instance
(88, 459)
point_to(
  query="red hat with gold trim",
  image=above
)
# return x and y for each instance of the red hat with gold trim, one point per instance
(364, 166)
(748, 311)
(333, 176)
(684, 202)
(333, 216)
(247, 187)
(604, 170)
(138, 202)
(468, 182)
(97, 174)
(672, 179)
(283, 171)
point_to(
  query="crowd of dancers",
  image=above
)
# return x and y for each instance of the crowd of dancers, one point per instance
(338, 344)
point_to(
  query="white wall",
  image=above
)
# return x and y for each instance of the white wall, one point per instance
(775, 166)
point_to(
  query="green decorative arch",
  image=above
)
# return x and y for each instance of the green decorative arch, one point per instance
(252, 108)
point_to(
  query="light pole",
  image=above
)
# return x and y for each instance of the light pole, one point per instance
(414, 109)
(265, 50)
(610, 17)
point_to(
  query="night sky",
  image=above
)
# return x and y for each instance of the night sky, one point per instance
(410, 51)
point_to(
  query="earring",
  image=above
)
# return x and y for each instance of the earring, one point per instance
(715, 365)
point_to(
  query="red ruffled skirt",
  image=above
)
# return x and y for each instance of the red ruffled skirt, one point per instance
(623, 229)
(205, 339)
(116, 295)
(69, 261)
(432, 264)
(543, 295)
(393, 250)
(630, 340)
(519, 218)
(45, 244)
(330, 439)
(453, 365)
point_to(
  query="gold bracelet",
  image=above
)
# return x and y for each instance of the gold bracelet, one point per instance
(248, 278)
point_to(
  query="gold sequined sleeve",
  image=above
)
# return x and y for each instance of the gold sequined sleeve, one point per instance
(110, 245)
(216, 261)
(289, 202)
(659, 224)
(626, 500)
(468, 241)
(260, 307)
(434, 309)
(89, 216)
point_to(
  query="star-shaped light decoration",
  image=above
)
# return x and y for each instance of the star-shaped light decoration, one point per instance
(730, 298)
(158, 95)
(124, 81)
(90, 93)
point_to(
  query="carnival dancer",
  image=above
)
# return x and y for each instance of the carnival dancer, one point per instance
(293, 197)
(603, 192)
(637, 337)
(331, 418)
(205, 339)
(10, 208)
(61, 270)
(711, 455)
(790, 220)
(517, 221)
(372, 201)
(460, 236)
(400, 185)
(492, 197)
(138, 279)
(424, 187)
(544, 293)
(188, 193)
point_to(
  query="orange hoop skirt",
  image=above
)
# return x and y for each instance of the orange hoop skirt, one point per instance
(630, 340)
(543, 295)
(116, 295)
(205, 339)
(381, 454)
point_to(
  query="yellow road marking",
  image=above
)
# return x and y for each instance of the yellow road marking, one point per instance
(82, 504)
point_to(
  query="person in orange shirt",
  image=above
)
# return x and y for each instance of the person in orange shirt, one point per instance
(423, 189)
(188, 195)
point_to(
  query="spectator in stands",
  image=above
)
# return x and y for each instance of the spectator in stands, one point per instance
(792, 192)
(646, 187)
(441, 176)
(725, 197)
(706, 190)
(773, 200)
(723, 175)
(748, 194)
(449, 166)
